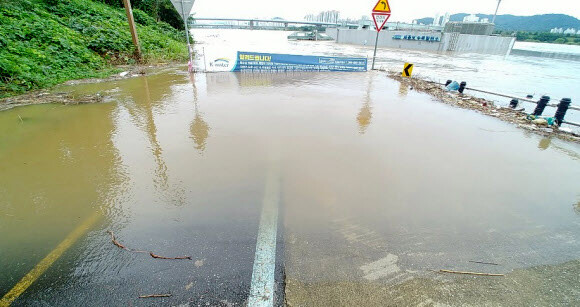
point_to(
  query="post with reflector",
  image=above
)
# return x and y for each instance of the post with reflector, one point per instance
(381, 13)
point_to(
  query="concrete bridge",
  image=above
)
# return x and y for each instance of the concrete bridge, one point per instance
(271, 24)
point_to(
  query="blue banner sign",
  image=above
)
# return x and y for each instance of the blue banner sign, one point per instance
(418, 38)
(264, 62)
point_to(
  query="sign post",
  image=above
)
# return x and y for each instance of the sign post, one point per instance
(183, 7)
(381, 13)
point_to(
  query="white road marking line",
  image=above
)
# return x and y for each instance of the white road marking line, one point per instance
(262, 288)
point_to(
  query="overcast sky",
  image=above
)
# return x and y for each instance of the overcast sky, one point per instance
(402, 10)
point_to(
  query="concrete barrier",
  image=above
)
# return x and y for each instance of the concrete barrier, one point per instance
(552, 55)
(456, 42)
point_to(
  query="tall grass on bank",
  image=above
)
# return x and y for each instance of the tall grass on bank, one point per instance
(46, 42)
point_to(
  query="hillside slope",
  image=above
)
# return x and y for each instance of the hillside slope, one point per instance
(536, 23)
(46, 42)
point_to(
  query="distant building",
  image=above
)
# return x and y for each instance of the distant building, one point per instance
(436, 20)
(365, 24)
(484, 20)
(441, 20)
(557, 30)
(570, 31)
(473, 28)
(471, 18)
(446, 19)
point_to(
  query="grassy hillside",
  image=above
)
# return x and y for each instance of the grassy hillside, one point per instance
(46, 42)
(536, 23)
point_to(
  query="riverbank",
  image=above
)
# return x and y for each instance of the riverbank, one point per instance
(486, 107)
(44, 43)
(55, 96)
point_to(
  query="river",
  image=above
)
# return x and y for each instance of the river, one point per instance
(339, 188)
(512, 75)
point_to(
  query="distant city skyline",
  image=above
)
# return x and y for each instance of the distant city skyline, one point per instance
(404, 11)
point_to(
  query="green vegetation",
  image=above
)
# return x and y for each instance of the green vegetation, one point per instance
(160, 10)
(536, 23)
(544, 37)
(46, 42)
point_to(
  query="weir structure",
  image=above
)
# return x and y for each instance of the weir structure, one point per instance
(426, 40)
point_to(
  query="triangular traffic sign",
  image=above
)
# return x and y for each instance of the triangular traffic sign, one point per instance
(380, 20)
(382, 6)
(183, 7)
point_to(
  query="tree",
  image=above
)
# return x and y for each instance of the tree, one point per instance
(560, 40)
(161, 10)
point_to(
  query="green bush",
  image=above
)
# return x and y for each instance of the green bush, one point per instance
(46, 42)
(560, 40)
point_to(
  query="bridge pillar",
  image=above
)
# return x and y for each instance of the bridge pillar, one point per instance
(251, 24)
(285, 26)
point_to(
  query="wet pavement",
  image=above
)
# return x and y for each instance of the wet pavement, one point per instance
(379, 187)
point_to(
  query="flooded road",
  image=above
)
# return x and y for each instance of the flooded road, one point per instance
(371, 189)
(511, 75)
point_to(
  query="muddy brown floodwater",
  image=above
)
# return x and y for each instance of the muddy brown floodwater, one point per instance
(380, 188)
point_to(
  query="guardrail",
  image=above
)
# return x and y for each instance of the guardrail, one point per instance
(561, 108)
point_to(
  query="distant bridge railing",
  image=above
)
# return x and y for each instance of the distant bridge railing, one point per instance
(259, 23)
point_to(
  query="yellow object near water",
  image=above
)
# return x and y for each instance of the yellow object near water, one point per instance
(407, 70)
(43, 265)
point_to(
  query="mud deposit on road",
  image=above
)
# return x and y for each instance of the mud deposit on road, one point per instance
(484, 106)
(555, 285)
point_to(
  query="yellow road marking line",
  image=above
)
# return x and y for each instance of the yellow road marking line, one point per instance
(45, 263)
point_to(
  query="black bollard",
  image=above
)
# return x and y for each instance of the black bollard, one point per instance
(462, 86)
(448, 82)
(514, 103)
(561, 111)
(541, 105)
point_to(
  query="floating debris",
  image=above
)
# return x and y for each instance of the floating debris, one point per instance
(118, 244)
(518, 117)
(41, 97)
(171, 258)
(154, 295)
(470, 273)
(481, 262)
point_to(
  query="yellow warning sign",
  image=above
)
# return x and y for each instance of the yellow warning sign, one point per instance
(382, 6)
(407, 70)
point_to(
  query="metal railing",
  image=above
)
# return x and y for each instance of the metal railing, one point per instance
(554, 105)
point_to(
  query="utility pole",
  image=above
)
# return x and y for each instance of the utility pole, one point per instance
(131, 20)
(496, 9)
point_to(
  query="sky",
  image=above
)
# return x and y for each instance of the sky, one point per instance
(402, 10)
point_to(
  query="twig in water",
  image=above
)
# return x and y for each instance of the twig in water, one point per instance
(154, 295)
(170, 258)
(115, 241)
(470, 273)
(21, 121)
(481, 262)
(118, 244)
